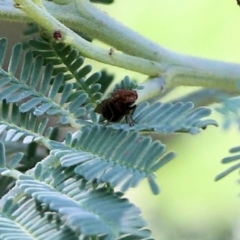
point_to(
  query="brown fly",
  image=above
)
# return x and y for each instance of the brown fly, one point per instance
(120, 105)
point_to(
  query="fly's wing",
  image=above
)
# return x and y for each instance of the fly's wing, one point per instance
(99, 108)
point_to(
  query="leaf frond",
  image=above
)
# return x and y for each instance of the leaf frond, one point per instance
(105, 80)
(69, 62)
(33, 91)
(20, 220)
(230, 109)
(15, 126)
(84, 209)
(235, 157)
(119, 157)
(127, 83)
(167, 118)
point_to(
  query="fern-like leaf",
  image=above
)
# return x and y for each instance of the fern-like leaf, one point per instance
(15, 125)
(67, 61)
(105, 80)
(127, 83)
(6, 164)
(36, 91)
(117, 157)
(167, 118)
(235, 157)
(19, 219)
(82, 208)
(230, 110)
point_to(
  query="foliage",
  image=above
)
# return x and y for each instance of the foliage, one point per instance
(230, 111)
(64, 172)
(75, 183)
(230, 159)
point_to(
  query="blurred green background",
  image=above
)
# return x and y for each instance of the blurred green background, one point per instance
(191, 205)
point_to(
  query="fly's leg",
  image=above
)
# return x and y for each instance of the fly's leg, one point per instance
(129, 119)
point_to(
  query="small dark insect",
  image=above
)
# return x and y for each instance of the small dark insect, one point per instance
(57, 35)
(118, 106)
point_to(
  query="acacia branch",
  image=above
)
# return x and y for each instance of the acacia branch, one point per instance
(139, 54)
(41, 16)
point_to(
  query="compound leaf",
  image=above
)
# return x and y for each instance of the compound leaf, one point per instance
(83, 207)
(230, 159)
(115, 156)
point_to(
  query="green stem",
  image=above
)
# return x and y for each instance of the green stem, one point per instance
(127, 40)
(109, 56)
(124, 38)
(208, 74)
(142, 55)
